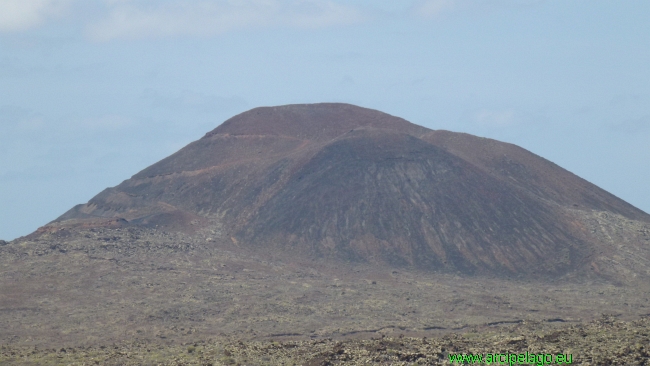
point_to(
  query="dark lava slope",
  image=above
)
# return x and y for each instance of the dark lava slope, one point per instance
(343, 182)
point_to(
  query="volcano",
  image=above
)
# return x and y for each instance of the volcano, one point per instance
(340, 182)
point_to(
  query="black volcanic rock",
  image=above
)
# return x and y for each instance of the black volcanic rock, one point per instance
(349, 183)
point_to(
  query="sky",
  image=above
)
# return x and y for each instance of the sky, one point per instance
(93, 91)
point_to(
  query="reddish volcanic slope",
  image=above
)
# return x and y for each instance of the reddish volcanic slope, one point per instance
(349, 183)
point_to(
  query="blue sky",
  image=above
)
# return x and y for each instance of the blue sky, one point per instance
(91, 92)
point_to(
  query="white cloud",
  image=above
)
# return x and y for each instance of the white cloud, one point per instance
(14, 119)
(106, 122)
(153, 19)
(19, 15)
(437, 8)
(193, 101)
(491, 118)
(433, 8)
(634, 125)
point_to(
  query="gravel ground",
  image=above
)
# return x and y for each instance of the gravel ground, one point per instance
(606, 341)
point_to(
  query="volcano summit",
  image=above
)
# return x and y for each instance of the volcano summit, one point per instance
(341, 182)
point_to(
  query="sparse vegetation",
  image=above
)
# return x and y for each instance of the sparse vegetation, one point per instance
(168, 294)
(606, 341)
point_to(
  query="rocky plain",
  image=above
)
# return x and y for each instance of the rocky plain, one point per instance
(331, 234)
